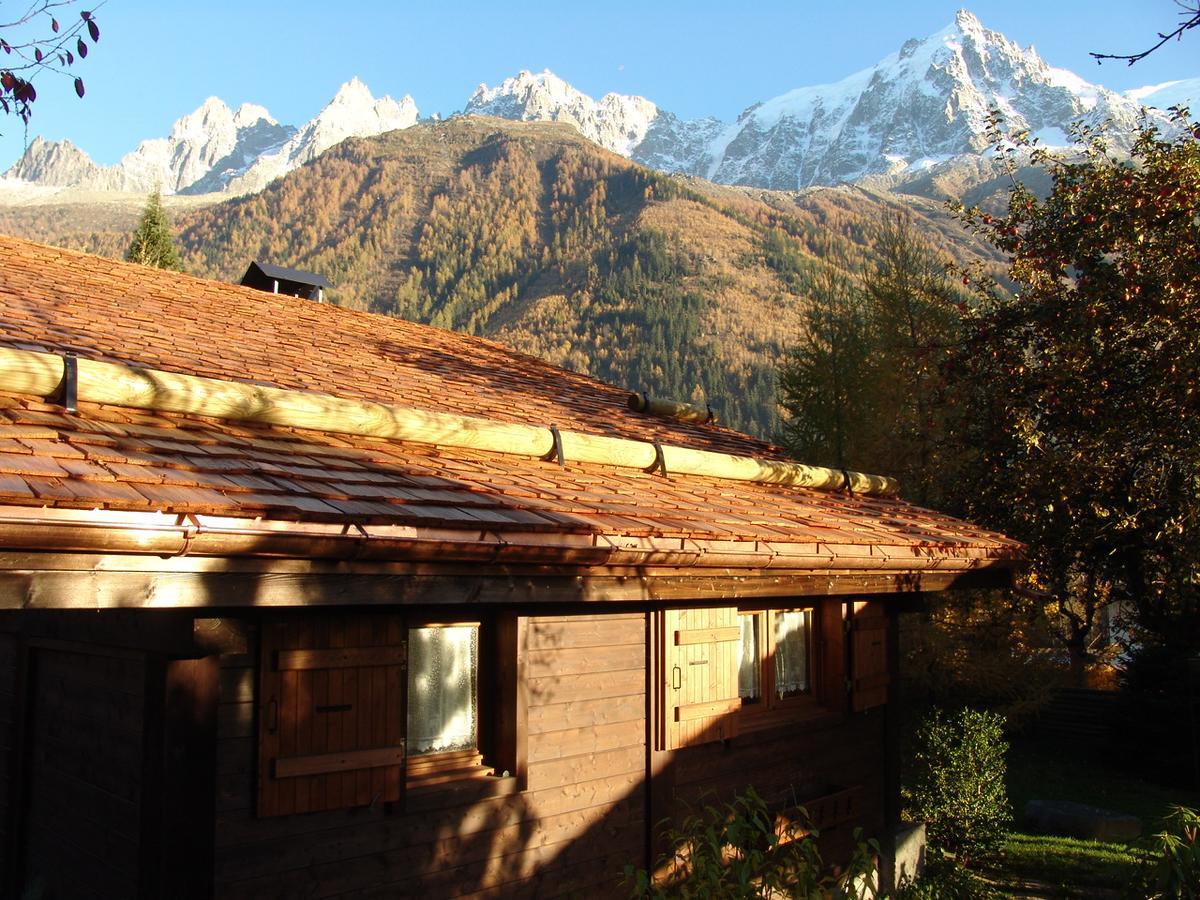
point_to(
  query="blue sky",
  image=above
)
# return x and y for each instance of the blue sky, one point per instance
(159, 59)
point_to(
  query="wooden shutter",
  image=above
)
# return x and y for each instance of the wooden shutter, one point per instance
(331, 713)
(868, 655)
(699, 676)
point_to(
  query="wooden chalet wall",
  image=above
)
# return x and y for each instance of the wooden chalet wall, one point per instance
(591, 778)
(579, 820)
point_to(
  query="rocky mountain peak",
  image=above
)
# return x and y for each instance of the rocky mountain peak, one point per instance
(618, 122)
(921, 106)
(250, 114)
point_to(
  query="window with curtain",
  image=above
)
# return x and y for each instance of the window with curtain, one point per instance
(775, 660)
(443, 689)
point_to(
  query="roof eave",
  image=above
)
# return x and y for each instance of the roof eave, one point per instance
(164, 535)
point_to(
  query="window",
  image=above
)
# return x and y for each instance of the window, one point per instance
(775, 658)
(355, 709)
(443, 722)
(443, 689)
(723, 670)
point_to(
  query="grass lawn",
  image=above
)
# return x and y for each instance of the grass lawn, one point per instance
(1049, 866)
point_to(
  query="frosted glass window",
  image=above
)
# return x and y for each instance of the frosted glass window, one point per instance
(792, 632)
(749, 660)
(443, 695)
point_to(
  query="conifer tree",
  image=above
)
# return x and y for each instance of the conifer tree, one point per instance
(153, 244)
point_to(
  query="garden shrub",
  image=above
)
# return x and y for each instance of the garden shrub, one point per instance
(956, 782)
(1172, 867)
(737, 850)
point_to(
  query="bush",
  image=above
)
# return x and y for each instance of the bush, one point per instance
(739, 850)
(957, 782)
(1172, 868)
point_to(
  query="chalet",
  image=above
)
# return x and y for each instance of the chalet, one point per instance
(300, 601)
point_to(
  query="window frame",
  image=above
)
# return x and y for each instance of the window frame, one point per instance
(772, 710)
(499, 757)
(438, 767)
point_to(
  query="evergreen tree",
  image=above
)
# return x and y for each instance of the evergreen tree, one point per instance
(152, 243)
(862, 388)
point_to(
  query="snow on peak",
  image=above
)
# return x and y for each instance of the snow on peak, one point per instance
(353, 112)
(208, 120)
(250, 114)
(931, 99)
(618, 122)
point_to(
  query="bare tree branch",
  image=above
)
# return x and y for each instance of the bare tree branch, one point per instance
(1191, 19)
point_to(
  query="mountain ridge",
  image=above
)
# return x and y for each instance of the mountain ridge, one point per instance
(924, 104)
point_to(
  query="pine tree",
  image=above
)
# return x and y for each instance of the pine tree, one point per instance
(153, 243)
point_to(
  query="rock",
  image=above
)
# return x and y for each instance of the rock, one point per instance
(1080, 821)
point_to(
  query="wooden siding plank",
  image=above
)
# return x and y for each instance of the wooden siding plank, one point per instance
(585, 713)
(591, 739)
(539, 663)
(608, 631)
(561, 688)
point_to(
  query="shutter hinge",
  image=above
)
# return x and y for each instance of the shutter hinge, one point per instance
(849, 685)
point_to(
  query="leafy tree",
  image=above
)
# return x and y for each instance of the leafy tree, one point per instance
(28, 49)
(912, 311)
(1078, 394)
(152, 243)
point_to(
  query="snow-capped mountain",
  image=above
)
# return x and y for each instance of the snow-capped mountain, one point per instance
(924, 106)
(615, 121)
(926, 103)
(353, 112)
(632, 126)
(54, 164)
(215, 149)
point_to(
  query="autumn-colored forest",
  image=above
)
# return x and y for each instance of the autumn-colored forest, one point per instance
(529, 234)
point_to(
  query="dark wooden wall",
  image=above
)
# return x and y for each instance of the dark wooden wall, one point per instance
(10, 648)
(83, 832)
(579, 820)
(580, 811)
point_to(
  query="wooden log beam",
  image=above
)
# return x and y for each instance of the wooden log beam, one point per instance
(41, 374)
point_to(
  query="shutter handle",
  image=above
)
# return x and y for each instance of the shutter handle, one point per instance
(676, 678)
(273, 716)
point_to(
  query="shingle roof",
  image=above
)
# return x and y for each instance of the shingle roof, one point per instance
(142, 463)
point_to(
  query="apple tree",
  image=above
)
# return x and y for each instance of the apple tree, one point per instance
(1078, 393)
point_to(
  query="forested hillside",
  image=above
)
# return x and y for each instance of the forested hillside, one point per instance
(527, 233)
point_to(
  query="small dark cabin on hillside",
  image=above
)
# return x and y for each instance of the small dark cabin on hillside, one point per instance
(426, 616)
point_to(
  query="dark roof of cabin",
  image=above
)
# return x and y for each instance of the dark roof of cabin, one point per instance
(281, 273)
(136, 463)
